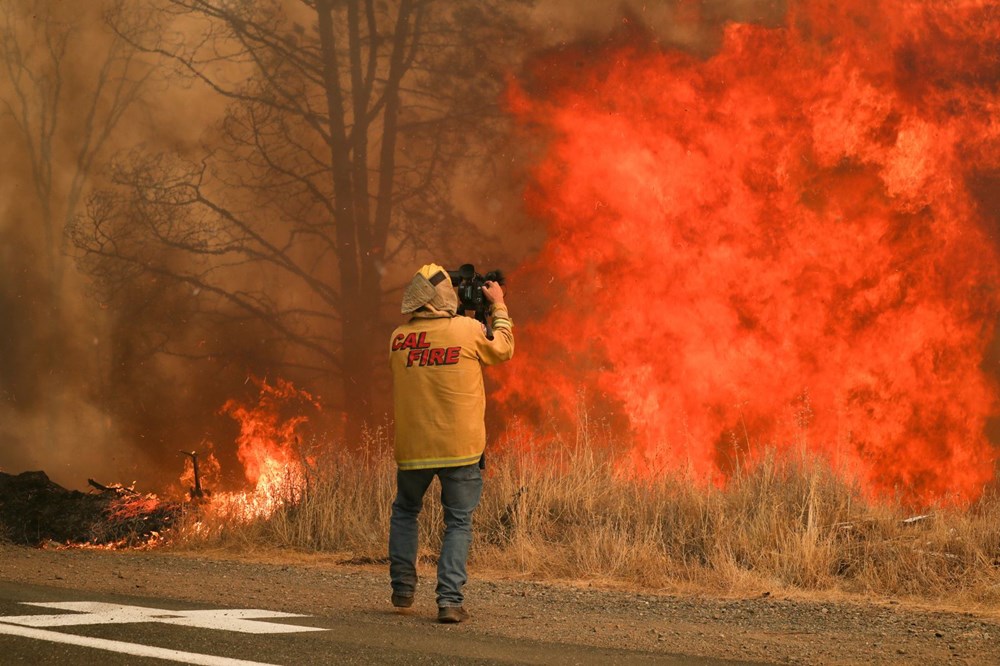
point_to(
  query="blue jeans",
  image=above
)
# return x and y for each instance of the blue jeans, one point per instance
(461, 488)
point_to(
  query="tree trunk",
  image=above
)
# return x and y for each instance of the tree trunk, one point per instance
(355, 325)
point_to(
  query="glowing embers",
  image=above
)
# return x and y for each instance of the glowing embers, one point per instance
(788, 223)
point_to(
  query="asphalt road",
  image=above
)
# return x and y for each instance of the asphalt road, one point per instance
(42, 625)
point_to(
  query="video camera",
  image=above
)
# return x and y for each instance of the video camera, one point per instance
(469, 284)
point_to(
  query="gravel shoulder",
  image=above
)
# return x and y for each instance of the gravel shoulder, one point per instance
(766, 628)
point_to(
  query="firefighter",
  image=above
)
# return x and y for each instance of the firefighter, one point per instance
(437, 361)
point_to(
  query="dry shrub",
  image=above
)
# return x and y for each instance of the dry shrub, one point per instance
(567, 513)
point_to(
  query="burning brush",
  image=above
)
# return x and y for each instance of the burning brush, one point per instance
(793, 244)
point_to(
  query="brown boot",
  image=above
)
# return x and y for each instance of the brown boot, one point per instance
(452, 614)
(399, 601)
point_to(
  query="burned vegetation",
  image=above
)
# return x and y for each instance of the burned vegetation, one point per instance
(35, 511)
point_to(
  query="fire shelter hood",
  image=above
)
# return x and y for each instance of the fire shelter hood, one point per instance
(430, 294)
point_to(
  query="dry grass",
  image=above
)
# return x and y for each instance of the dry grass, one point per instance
(566, 514)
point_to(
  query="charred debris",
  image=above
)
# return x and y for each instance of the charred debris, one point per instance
(35, 511)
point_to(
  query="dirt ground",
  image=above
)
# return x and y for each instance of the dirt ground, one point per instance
(769, 628)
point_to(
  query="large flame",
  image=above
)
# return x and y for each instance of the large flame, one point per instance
(782, 245)
(269, 447)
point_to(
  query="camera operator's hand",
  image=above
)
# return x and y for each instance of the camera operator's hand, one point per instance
(493, 293)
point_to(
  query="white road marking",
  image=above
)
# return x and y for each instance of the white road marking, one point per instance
(133, 649)
(245, 620)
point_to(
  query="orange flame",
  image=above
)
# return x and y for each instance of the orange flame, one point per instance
(269, 448)
(783, 245)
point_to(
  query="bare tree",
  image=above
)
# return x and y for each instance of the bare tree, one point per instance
(40, 53)
(347, 119)
(65, 89)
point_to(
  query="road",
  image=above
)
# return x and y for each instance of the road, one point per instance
(48, 625)
(177, 596)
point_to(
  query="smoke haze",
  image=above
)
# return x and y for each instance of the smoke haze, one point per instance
(108, 369)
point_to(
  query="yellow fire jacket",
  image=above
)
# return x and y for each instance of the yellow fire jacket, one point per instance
(437, 387)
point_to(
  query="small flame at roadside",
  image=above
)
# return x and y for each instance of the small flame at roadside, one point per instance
(269, 448)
